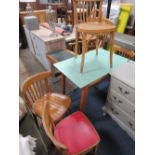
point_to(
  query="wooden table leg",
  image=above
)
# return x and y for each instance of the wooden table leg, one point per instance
(83, 51)
(63, 83)
(111, 47)
(83, 98)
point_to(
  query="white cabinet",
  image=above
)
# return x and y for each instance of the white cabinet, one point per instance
(40, 51)
(29, 40)
(121, 97)
(42, 43)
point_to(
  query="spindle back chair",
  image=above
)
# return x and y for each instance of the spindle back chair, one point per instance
(35, 87)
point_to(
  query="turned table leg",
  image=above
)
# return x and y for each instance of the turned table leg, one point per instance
(83, 98)
(83, 52)
(111, 47)
(63, 83)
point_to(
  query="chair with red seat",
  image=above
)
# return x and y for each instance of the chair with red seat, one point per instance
(73, 135)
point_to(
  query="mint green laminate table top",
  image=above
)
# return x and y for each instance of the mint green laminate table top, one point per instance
(95, 67)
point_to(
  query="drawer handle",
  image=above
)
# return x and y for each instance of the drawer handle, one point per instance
(119, 101)
(131, 125)
(114, 97)
(121, 90)
(112, 109)
(126, 92)
(114, 112)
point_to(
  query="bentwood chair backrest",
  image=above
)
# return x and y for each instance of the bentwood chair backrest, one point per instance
(35, 87)
(87, 11)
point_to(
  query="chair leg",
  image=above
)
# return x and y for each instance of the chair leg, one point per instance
(38, 129)
(87, 45)
(96, 148)
(63, 83)
(69, 110)
(41, 138)
(83, 52)
(111, 47)
(76, 43)
(97, 38)
(104, 40)
(36, 124)
(40, 132)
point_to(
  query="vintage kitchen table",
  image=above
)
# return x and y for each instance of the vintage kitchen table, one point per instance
(96, 68)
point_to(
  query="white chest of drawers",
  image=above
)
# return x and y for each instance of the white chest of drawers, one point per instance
(121, 97)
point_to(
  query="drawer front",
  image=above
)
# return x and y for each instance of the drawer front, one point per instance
(122, 102)
(122, 116)
(123, 89)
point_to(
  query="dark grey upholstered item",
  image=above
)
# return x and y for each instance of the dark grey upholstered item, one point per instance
(61, 55)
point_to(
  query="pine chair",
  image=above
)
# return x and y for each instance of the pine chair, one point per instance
(90, 25)
(36, 92)
(73, 135)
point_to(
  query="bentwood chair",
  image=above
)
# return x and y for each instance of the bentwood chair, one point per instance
(73, 135)
(36, 92)
(91, 24)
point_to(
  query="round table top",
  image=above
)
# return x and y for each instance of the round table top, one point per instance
(95, 27)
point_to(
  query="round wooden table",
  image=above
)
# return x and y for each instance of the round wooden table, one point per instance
(94, 29)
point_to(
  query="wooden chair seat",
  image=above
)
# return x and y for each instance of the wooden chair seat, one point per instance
(59, 105)
(88, 37)
(95, 27)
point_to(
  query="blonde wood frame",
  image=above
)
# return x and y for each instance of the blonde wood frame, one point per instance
(87, 26)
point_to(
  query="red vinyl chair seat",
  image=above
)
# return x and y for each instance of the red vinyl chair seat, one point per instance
(77, 133)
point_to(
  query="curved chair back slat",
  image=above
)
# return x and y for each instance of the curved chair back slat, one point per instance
(35, 87)
(87, 11)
